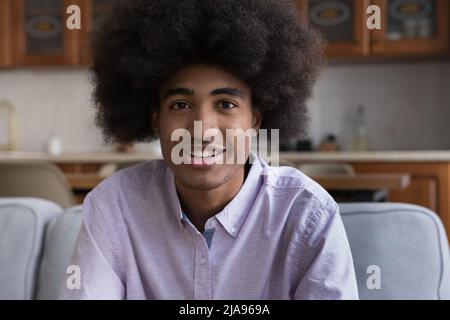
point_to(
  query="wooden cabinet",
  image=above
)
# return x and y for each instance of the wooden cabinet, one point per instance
(422, 191)
(411, 27)
(79, 175)
(343, 23)
(430, 184)
(408, 27)
(91, 12)
(34, 32)
(40, 33)
(5, 33)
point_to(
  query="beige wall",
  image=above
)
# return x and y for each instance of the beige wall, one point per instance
(408, 105)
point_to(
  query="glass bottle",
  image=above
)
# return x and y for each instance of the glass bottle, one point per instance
(360, 141)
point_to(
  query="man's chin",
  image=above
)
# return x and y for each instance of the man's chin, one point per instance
(202, 178)
(197, 183)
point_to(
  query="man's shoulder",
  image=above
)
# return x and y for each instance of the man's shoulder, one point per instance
(132, 178)
(310, 207)
(305, 191)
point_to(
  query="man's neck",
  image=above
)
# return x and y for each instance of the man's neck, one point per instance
(212, 201)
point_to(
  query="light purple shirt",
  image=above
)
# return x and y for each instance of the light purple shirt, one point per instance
(281, 237)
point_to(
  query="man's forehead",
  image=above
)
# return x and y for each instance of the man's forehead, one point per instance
(232, 91)
(204, 79)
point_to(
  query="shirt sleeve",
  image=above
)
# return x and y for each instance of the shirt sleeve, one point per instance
(328, 271)
(93, 262)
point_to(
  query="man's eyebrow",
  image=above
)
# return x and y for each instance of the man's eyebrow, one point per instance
(230, 91)
(186, 91)
(175, 91)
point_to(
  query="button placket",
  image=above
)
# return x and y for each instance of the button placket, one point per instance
(202, 272)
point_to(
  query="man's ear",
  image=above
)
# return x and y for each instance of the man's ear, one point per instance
(257, 120)
(155, 122)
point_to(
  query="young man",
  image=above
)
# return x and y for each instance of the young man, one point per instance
(203, 229)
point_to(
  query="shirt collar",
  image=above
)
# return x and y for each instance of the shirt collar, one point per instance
(232, 217)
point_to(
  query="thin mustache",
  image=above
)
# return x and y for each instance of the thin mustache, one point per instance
(207, 144)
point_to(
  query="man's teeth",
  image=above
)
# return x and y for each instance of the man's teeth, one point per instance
(204, 154)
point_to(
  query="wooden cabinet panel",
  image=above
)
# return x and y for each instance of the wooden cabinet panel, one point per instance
(79, 167)
(86, 27)
(5, 33)
(411, 27)
(91, 12)
(430, 185)
(40, 33)
(422, 191)
(343, 23)
(81, 177)
(33, 32)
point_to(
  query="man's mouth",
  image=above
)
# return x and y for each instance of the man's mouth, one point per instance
(206, 157)
(205, 153)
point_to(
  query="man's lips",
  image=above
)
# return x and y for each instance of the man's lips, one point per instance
(206, 153)
(209, 156)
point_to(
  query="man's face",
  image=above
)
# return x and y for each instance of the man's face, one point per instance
(220, 101)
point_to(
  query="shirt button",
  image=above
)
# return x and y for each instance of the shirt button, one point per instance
(202, 261)
(233, 230)
(213, 223)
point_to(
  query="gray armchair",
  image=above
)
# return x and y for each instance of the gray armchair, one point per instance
(37, 239)
(23, 222)
(60, 239)
(406, 242)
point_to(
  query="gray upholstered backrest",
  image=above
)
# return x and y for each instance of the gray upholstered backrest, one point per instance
(22, 227)
(408, 244)
(59, 245)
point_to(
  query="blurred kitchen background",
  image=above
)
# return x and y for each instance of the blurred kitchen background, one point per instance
(380, 108)
(406, 105)
(399, 76)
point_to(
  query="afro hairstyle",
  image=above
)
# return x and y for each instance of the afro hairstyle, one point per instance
(137, 44)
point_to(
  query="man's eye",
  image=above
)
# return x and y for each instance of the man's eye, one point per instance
(227, 105)
(180, 106)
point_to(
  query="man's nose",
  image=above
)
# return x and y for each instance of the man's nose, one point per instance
(205, 116)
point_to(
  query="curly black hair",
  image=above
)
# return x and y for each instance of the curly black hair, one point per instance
(139, 43)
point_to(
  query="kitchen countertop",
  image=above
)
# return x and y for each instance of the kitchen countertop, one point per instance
(369, 156)
(76, 157)
(105, 157)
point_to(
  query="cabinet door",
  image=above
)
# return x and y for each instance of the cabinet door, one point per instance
(422, 191)
(427, 187)
(343, 23)
(411, 27)
(5, 33)
(92, 10)
(40, 33)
